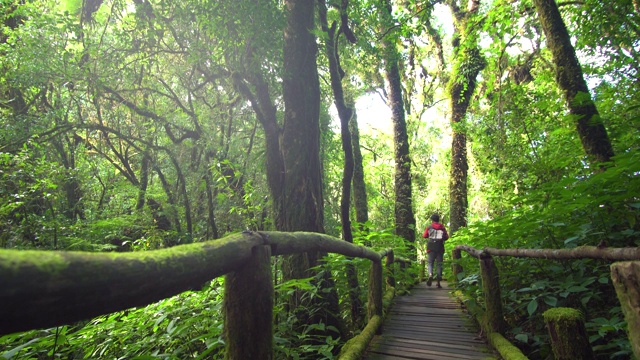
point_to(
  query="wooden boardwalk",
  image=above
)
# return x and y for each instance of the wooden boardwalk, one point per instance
(427, 324)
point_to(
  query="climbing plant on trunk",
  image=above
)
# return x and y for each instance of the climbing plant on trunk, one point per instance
(467, 65)
(405, 220)
(570, 79)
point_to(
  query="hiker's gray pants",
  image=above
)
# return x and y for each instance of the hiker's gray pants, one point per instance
(431, 256)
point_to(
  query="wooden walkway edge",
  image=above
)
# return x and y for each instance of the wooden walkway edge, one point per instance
(427, 324)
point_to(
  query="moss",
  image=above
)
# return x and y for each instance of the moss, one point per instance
(568, 335)
(13, 262)
(388, 297)
(355, 347)
(562, 315)
(506, 350)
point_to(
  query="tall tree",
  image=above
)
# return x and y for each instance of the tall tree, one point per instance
(294, 171)
(570, 78)
(467, 65)
(345, 113)
(359, 185)
(405, 220)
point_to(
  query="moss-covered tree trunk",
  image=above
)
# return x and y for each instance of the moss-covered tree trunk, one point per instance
(292, 149)
(626, 279)
(568, 335)
(405, 222)
(468, 64)
(570, 78)
(359, 185)
(301, 196)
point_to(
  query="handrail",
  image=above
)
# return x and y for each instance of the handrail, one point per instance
(625, 271)
(581, 252)
(50, 288)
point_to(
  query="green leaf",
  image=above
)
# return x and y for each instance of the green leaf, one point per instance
(551, 301)
(522, 338)
(532, 307)
(11, 353)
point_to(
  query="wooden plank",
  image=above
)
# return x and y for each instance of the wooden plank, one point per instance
(427, 324)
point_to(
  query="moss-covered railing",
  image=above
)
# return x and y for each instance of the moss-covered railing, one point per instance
(40, 289)
(625, 274)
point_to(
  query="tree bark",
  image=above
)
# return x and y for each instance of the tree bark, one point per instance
(359, 185)
(404, 217)
(144, 181)
(469, 63)
(345, 113)
(570, 78)
(212, 226)
(626, 280)
(302, 199)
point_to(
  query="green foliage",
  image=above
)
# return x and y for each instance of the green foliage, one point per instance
(599, 207)
(180, 327)
(293, 340)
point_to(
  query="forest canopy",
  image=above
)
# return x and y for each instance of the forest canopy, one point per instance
(133, 125)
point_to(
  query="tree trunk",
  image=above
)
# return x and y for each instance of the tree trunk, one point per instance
(212, 227)
(345, 114)
(469, 62)
(302, 200)
(570, 78)
(144, 181)
(404, 218)
(359, 185)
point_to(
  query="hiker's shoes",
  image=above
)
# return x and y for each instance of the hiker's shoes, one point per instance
(429, 280)
(438, 285)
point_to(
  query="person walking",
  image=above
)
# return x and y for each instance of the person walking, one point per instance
(437, 235)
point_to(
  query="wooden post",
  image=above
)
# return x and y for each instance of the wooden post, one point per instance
(389, 264)
(423, 276)
(456, 267)
(568, 335)
(626, 280)
(491, 288)
(248, 308)
(374, 306)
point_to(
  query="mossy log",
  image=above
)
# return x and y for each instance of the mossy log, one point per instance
(491, 289)
(355, 347)
(283, 243)
(248, 308)
(568, 335)
(626, 280)
(41, 289)
(506, 349)
(581, 252)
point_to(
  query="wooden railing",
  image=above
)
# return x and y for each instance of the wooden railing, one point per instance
(625, 274)
(40, 289)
